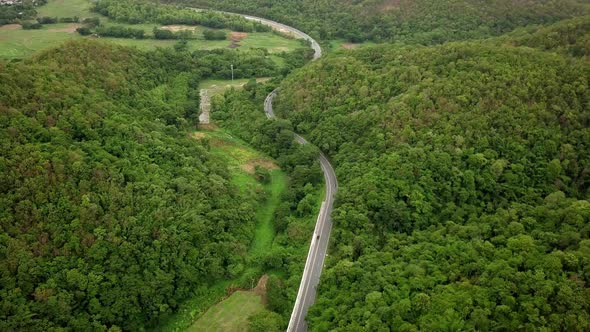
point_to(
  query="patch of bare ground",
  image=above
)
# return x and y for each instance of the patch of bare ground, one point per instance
(389, 5)
(260, 288)
(250, 166)
(235, 38)
(349, 46)
(10, 27)
(198, 135)
(70, 28)
(208, 126)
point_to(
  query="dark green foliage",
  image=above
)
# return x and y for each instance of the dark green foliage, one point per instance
(31, 25)
(47, 20)
(111, 215)
(214, 34)
(411, 21)
(464, 185)
(119, 31)
(168, 34)
(265, 322)
(74, 19)
(569, 36)
(21, 11)
(91, 22)
(84, 31)
(132, 11)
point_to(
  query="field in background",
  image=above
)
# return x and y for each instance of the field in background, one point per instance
(18, 43)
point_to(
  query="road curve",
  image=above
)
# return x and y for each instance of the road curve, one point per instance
(321, 235)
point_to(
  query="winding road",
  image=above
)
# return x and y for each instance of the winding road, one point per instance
(321, 235)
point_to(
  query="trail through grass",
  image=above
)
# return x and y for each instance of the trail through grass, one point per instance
(265, 231)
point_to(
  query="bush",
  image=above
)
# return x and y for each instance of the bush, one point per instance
(91, 22)
(84, 31)
(74, 19)
(47, 20)
(214, 34)
(163, 34)
(32, 25)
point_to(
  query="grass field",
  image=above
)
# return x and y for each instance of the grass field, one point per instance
(18, 43)
(230, 315)
(218, 87)
(66, 8)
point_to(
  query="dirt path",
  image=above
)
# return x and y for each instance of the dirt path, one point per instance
(205, 106)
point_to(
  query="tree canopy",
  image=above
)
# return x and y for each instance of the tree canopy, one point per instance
(408, 21)
(464, 183)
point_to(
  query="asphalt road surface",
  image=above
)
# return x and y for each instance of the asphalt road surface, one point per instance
(319, 243)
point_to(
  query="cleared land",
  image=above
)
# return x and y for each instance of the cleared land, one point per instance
(217, 87)
(18, 43)
(230, 315)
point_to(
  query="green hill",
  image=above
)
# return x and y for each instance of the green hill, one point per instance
(464, 184)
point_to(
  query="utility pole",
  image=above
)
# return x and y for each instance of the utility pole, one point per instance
(232, 73)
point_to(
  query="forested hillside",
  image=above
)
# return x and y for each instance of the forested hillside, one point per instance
(464, 184)
(410, 21)
(111, 214)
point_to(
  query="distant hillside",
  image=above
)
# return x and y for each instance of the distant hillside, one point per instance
(464, 200)
(413, 21)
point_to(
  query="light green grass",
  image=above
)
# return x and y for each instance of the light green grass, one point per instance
(230, 315)
(271, 41)
(22, 43)
(66, 8)
(265, 232)
(218, 87)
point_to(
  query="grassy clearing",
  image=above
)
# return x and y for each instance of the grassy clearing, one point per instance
(230, 315)
(218, 87)
(22, 43)
(66, 8)
(271, 41)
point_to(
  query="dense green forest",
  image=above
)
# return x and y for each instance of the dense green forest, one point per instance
(463, 168)
(409, 21)
(134, 11)
(464, 182)
(111, 215)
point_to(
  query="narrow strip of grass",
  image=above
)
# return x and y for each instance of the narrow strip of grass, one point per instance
(265, 232)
